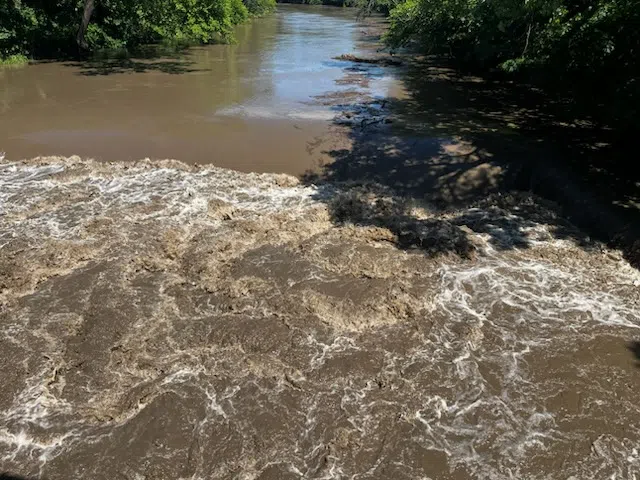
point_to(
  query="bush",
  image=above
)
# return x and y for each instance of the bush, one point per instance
(260, 7)
(13, 60)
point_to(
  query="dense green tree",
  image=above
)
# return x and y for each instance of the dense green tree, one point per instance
(55, 27)
(587, 46)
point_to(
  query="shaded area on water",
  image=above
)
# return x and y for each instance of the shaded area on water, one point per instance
(454, 139)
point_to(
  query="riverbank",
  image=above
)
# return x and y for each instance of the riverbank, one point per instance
(62, 31)
(13, 60)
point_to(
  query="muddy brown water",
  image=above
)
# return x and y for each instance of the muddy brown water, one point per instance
(165, 322)
(247, 106)
(160, 320)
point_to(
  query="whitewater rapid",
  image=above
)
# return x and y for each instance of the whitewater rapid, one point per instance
(166, 321)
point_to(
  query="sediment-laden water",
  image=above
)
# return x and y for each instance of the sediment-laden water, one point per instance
(161, 321)
(246, 106)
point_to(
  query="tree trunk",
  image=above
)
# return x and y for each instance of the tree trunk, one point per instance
(89, 5)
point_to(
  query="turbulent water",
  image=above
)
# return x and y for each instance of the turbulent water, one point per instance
(167, 322)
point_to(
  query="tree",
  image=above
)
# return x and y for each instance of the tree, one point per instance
(87, 11)
(587, 47)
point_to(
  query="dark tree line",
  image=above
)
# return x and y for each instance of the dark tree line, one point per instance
(60, 27)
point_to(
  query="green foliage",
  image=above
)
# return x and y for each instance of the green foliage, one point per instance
(48, 28)
(14, 60)
(367, 7)
(589, 47)
(260, 7)
(26, 26)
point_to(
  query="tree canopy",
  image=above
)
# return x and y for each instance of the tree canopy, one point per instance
(589, 47)
(50, 27)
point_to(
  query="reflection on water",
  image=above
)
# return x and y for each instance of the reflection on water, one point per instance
(245, 106)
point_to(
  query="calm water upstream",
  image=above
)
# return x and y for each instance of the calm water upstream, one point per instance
(247, 106)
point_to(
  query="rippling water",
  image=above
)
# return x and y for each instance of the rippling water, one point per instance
(163, 321)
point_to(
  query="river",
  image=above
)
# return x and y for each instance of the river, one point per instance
(248, 106)
(397, 313)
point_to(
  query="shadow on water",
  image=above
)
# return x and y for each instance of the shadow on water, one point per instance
(475, 150)
(164, 59)
(110, 67)
(634, 348)
(10, 476)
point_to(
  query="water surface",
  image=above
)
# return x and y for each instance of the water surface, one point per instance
(165, 322)
(248, 106)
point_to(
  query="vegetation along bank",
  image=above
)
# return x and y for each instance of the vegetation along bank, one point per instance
(36, 28)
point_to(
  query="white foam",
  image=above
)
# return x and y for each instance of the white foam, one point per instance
(266, 113)
(525, 303)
